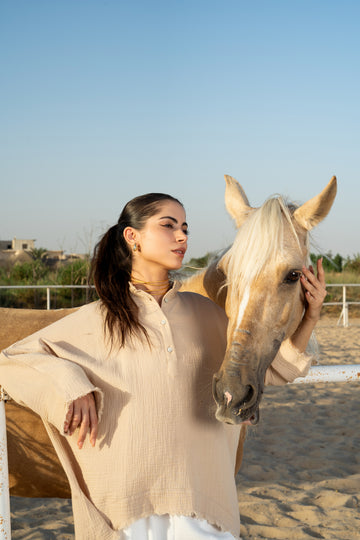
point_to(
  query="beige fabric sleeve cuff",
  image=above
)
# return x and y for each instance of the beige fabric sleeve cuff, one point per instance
(288, 365)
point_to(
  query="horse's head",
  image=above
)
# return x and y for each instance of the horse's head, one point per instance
(265, 300)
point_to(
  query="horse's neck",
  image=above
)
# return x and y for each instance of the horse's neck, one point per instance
(209, 283)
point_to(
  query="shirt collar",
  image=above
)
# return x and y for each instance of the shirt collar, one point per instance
(170, 295)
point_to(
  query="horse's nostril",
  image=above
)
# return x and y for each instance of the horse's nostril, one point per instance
(250, 394)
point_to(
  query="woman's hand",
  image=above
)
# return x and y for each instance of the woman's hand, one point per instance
(315, 290)
(82, 414)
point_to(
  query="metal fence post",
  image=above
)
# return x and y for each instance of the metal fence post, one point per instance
(344, 315)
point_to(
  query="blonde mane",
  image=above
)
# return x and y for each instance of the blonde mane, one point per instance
(259, 240)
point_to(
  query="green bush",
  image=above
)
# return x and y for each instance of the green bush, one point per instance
(353, 265)
(74, 273)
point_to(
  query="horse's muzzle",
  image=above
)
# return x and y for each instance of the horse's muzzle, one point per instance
(236, 403)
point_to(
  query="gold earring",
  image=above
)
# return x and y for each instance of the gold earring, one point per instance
(134, 247)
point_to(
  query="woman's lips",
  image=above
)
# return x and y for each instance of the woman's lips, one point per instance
(180, 252)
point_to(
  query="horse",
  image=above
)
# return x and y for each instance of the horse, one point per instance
(256, 280)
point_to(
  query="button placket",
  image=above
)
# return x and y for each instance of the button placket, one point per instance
(167, 337)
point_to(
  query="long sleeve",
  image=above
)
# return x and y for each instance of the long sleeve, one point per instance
(43, 374)
(288, 365)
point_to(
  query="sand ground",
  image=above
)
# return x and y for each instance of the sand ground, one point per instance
(300, 478)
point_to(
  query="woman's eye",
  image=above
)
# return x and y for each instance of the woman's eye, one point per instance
(168, 225)
(186, 231)
(293, 276)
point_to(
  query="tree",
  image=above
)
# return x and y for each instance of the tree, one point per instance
(74, 273)
(353, 265)
(38, 253)
(330, 263)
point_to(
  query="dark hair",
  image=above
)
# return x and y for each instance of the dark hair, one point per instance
(111, 267)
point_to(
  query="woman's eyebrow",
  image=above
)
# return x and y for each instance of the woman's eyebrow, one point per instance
(174, 220)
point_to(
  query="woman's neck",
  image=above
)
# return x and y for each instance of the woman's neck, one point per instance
(157, 285)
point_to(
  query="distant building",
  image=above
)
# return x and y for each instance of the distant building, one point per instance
(15, 251)
(22, 245)
(53, 255)
(17, 244)
(18, 250)
(53, 259)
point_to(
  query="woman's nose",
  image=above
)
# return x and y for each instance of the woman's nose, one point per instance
(181, 237)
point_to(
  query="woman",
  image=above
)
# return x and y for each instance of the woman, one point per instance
(132, 375)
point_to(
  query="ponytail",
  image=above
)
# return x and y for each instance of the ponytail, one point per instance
(111, 269)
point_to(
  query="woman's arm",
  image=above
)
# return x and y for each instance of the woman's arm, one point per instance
(52, 372)
(55, 388)
(38, 374)
(292, 361)
(315, 293)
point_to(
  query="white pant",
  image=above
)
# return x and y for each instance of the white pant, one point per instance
(173, 528)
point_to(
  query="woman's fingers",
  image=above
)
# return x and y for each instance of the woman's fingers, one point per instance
(315, 288)
(93, 423)
(77, 415)
(68, 417)
(82, 414)
(84, 428)
(320, 272)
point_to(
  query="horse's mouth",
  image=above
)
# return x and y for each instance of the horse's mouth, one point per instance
(238, 416)
(254, 419)
(251, 416)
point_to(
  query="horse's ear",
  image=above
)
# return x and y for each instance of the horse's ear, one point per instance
(316, 209)
(236, 201)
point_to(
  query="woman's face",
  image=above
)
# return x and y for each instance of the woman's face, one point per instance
(162, 243)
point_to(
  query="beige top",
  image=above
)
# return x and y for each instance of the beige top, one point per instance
(159, 449)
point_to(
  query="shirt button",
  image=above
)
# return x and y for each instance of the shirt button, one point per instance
(165, 300)
(163, 321)
(170, 349)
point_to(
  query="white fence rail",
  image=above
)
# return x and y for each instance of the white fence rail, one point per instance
(345, 303)
(334, 373)
(344, 315)
(48, 289)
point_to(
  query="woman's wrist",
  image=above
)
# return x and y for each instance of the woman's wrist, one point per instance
(301, 336)
(312, 318)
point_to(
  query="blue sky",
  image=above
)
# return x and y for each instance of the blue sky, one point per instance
(104, 100)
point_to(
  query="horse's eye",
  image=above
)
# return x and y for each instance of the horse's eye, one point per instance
(293, 276)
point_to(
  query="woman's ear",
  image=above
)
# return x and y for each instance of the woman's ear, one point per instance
(130, 236)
